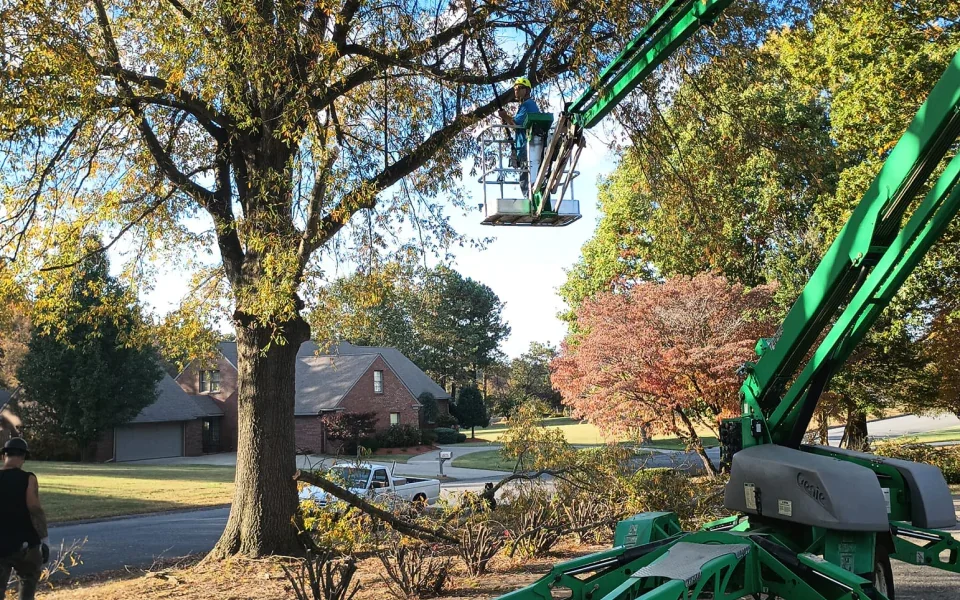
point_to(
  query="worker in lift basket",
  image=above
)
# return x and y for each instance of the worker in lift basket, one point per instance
(521, 92)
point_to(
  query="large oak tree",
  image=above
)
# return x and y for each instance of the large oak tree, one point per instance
(276, 122)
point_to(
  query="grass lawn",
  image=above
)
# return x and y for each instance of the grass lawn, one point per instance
(578, 432)
(941, 435)
(675, 444)
(491, 459)
(487, 459)
(71, 491)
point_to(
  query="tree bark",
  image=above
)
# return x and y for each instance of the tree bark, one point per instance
(265, 501)
(856, 430)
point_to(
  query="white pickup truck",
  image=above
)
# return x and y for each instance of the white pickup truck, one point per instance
(370, 480)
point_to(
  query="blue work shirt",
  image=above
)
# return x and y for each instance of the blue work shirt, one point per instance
(526, 107)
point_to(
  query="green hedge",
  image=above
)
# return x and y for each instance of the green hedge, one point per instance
(446, 435)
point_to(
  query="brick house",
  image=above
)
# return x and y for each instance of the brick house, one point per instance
(346, 378)
(171, 426)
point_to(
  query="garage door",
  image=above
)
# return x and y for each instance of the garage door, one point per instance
(152, 440)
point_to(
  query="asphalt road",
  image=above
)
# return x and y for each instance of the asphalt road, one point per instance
(137, 542)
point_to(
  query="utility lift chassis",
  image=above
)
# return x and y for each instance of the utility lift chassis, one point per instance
(813, 522)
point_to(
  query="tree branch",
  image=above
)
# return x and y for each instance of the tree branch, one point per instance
(406, 528)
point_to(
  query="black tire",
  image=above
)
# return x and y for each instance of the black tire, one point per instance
(420, 501)
(883, 574)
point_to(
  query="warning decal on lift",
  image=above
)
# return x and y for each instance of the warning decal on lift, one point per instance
(750, 495)
(785, 508)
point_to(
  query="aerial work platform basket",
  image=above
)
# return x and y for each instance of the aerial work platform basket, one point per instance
(508, 196)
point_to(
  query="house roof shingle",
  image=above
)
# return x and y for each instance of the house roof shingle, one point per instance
(412, 376)
(323, 381)
(207, 406)
(173, 404)
(409, 373)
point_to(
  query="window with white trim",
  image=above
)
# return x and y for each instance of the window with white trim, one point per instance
(209, 381)
(378, 382)
(394, 418)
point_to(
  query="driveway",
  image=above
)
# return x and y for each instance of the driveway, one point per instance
(900, 426)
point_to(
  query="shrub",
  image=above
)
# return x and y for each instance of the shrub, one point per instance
(350, 428)
(534, 522)
(695, 500)
(589, 515)
(479, 543)
(947, 459)
(414, 569)
(446, 435)
(399, 436)
(428, 437)
(324, 576)
(430, 410)
(370, 443)
(461, 438)
(447, 420)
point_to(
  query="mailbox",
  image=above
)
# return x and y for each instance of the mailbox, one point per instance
(446, 455)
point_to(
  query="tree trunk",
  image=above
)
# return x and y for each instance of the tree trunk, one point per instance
(856, 430)
(697, 444)
(265, 500)
(823, 427)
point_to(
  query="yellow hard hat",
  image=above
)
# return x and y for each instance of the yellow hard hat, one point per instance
(524, 82)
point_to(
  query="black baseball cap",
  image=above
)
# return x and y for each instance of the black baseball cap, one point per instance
(16, 447)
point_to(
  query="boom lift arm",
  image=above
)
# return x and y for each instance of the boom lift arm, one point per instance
(673, 25)
(869, 260)
(813, 523)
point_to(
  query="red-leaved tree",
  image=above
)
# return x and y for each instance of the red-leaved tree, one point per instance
(663, 356)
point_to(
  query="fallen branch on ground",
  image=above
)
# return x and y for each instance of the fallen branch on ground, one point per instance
(405, 527)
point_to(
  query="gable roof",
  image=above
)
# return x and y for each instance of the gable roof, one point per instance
(324, 378)
(172, 404)
(409, 373)
(229, 352)
(323, 381)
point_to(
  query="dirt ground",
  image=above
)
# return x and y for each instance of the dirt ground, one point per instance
(265, 580)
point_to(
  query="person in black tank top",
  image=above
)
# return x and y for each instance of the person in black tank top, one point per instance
(23, 543)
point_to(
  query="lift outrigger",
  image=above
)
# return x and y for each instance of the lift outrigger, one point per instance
(813, 522)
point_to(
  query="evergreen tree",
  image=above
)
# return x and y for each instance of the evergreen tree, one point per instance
(471, 410)
(89, 374)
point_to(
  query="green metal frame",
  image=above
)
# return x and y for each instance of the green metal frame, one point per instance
(870, 258)
(865, 266)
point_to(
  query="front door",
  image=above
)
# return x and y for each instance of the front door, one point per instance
(211, 435)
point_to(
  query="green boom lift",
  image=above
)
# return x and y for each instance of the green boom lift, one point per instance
(813, 522)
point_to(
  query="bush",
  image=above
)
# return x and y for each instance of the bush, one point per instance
(447, 420)
(399, 436)
(534, 520)
(428, 437)
(430, 410)
(479, 543)
(370, 443)
(415, 570)
(324, 576)
(446, 435)
(945, 458)
(461, 438)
